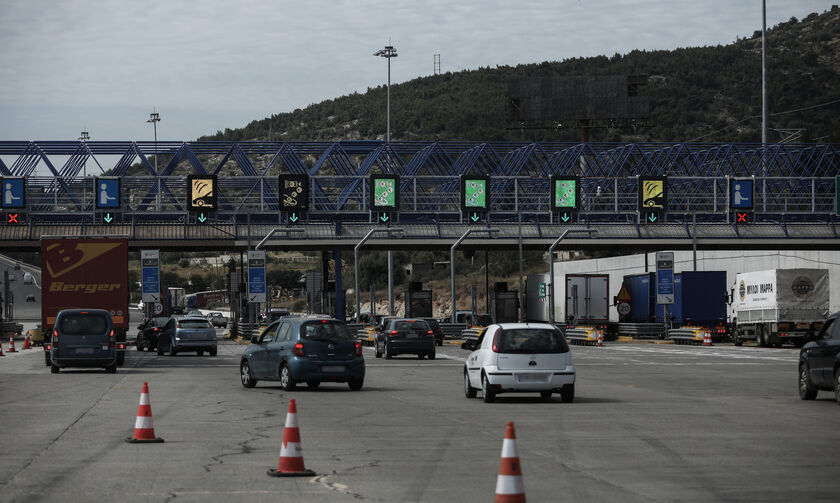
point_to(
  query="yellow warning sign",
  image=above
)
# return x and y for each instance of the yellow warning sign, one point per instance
(202, 192)
(652, 193)
(624, 294)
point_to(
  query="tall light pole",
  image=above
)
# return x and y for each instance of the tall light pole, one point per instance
(588, 232)
(83, 137)
(154, 118)
(388, 52)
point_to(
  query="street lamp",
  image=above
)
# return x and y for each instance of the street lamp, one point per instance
(154, 118)
(356, 265)
(83, 137)
(588, 232)
(452, 263)
(389, 52)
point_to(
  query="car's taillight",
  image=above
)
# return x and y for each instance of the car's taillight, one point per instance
(496, 342)
(49, 347)
(299, 349)
(393, 333)
(155, 329)
(55, 336)
(111, 336)
(358, 349)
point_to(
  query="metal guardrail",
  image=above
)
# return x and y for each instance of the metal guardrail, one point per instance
(686, 335)
(642, 330)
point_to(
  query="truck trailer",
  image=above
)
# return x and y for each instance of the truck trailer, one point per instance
(779, 305)
(80, 273)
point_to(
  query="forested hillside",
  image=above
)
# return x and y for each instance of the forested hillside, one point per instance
(697, 94)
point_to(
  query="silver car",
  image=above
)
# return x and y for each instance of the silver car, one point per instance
(217, 319)
(188, 334)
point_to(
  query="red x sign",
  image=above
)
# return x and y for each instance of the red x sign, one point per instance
(12, 218)
(743, 217)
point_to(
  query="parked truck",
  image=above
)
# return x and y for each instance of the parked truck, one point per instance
(779, 305)
(587, 300)
(79, 273)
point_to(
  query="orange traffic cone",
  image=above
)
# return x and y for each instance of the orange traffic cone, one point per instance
(600, 338)
(144, 430)
(707, 338)
(26, 343)
(509, 485)
(11, 344)
(290, 463)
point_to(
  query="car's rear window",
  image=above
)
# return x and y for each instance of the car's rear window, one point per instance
(530, 340)
(83, 324)
(412, 325)
(325, 330)
(199, 323)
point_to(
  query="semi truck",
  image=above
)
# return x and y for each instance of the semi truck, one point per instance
(177, 300)
(779, 305)
(587, 300)
(80, 273)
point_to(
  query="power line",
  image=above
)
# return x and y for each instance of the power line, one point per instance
(772, 115)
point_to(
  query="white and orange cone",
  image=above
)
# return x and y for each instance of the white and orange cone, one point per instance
(509, 485)
(11, 344)
(26, 342)
(707, 338)
(290, 463)
(600, 342)
(144, 430)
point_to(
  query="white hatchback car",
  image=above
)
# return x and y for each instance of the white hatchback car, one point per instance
(520, 357)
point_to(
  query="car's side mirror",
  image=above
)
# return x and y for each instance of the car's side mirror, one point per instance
(255, 339)
(467, 345)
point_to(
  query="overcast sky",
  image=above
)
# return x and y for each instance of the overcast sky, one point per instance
(104, 65)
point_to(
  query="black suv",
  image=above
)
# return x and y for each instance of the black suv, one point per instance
(435, 326)
(819, 361)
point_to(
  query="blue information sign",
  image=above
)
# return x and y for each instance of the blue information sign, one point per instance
(150, 275)
(664, 277)
(256, 276)
(741, 193)
(107, 192)
(14, 193)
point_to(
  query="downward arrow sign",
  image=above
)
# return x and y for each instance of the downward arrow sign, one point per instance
(565, 217)
(202, 218)
(294, 217)
(475, 217)
(652, 217)
(384, 217)
(108, 217)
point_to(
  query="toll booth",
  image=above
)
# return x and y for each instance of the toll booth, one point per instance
(418, 301)
(504, 306)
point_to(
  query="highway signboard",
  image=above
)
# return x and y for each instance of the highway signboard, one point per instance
(150, 273)
(256, 276)
(664, 277)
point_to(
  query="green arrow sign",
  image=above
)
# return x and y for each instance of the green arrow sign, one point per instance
(108, 218)
(384, 217)
(293, 217)
(202, 218)
(475, 216)
(652, 217)
(565, 217)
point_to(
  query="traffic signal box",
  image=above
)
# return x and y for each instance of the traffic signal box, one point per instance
(565, 196)
(741, 200)
(106, 191)
(653, 198)
(202, 196)
(384, 197)
(475, 197)
(294, 196)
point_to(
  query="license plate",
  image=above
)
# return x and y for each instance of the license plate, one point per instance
(803, 325)
(530, 377)
(332, 368)
(84, 351)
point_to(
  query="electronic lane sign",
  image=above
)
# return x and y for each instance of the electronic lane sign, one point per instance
(107, 195)
(475, 196)
(565, 198)
(664, 277)
(13, 198)
(150, 273)
(653, 198)
(384, 196)
(294, 195)
(256, 275)
(202, 195)
(741, 196)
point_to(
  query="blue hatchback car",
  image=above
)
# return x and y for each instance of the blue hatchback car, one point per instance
(310, 350)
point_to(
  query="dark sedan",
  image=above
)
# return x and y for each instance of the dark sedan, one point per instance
(819, 362)
(403, 335)
(147, 337)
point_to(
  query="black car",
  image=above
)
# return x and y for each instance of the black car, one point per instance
(405, 335)
(819, 361)
(150, 332)
(435, 326)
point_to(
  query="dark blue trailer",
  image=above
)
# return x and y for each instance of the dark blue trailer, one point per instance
(642, 288)
(699, 301)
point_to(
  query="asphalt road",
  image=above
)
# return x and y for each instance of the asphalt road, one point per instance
(649, 423)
